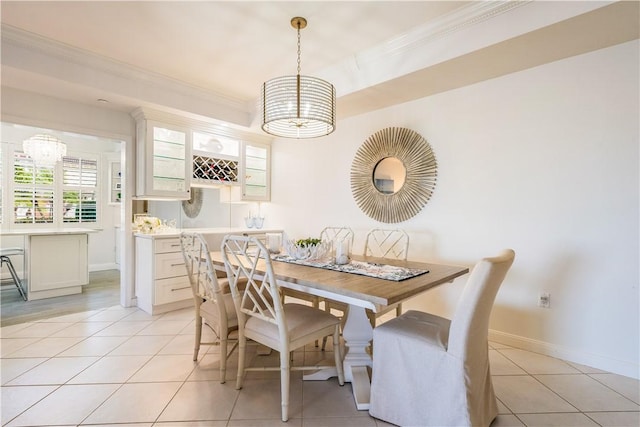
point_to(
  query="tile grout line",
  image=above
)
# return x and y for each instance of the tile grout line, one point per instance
(613, 390)
(541, 383)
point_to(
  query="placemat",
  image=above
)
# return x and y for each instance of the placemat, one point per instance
(379, 271)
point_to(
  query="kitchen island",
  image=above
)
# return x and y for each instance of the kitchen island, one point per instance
(56, 261)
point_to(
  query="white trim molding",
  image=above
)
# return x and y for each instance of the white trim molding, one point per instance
(616, 366)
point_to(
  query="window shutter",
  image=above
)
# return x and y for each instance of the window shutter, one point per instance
(80, 181)
(33, 191)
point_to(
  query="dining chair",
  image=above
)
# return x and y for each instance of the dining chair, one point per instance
(265, 319)
(212, 305)
(332, 234)
(380, 243)
(386, 243)
(328, 234)
(438, 368)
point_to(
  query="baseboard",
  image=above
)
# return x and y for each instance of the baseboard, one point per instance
(621, 367)
(102, 267)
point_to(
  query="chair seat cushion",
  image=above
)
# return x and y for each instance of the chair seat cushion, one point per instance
(210, 311)
(425, 328)
(302, 321)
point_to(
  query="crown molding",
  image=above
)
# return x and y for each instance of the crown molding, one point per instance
(460, 32)
(444, 26)
(380, 62)
(80, 58)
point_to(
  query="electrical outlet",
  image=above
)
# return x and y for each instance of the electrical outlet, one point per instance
(544, 300)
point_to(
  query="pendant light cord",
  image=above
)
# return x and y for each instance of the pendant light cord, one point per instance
(298, 47)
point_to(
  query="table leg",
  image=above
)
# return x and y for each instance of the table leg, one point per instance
(357, 336)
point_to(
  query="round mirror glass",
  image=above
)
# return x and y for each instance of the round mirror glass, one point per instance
(389, 175)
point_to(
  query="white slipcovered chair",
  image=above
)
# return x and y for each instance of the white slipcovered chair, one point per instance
(431, 371)
(211, 303)
(264, 318)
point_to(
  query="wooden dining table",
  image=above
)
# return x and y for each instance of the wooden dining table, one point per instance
(361, 293)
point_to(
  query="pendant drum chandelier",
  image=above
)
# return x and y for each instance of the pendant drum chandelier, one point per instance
(298, 106)
(45, 150)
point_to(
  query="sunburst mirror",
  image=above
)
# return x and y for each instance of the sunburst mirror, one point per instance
(393, 175)
(192, 206)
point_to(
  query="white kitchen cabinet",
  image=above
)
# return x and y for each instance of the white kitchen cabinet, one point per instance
(255, 172)
(163, 159)
(174, 153)
(161, 277)
(241, 165)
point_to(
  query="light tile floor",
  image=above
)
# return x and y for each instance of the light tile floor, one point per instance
(121, 366)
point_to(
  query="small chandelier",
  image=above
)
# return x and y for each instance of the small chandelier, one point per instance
(45, 150)
(298, 106)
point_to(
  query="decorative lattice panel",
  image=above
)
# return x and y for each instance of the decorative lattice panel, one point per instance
(212, 169)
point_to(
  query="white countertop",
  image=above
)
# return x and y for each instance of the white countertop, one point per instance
(219, 230)
(46, 231)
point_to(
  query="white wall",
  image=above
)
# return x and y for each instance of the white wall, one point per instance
(544, 161)
(102, 245)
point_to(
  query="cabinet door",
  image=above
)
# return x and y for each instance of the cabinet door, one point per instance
(256, 172)
(70, 268)
(164, 161)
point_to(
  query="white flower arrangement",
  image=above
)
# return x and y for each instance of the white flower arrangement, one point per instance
(147, 224)
(307, 249)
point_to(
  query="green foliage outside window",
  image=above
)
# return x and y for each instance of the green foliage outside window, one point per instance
(25, 175)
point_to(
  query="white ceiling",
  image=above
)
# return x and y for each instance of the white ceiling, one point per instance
(210, 58)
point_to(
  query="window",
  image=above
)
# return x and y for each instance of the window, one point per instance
(33, 191)
(65, 194)
(79, 195)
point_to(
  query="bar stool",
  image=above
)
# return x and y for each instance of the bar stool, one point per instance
(5, 254)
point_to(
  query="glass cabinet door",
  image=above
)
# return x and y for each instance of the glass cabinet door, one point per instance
(164, 161)
(169, 157)
(256, 178)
